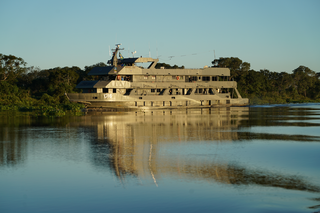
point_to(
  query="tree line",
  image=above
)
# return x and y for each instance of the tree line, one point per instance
(29, 87)
(267, 87)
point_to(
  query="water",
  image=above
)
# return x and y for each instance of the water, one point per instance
(257, 159)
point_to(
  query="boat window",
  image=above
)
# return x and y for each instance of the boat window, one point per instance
(94, 90)
(128, 78)
(206, 78)
(193, 78)
(153, 77)
(114, 90)
(153, 90)
(128, 91)
(112, 77)
(158, 90)
(189, 91)
(173, 77)
(214, 78)
(105, 90)
(211, 92)
(145, 77)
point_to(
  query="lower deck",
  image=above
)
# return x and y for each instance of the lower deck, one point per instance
(96, 100)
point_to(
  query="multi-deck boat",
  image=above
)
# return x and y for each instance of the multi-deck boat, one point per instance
(124, 85)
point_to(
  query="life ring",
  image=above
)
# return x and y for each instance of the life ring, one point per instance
(118, 77)
(178, 77)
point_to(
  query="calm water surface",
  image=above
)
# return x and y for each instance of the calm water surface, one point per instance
(257, 159)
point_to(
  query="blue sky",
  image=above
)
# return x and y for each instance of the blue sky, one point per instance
(279, 35)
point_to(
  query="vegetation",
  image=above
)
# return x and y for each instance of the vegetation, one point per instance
(266, 87)
(168, 66)
(43, 91)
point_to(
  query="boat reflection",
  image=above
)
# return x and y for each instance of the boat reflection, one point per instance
(139, 144)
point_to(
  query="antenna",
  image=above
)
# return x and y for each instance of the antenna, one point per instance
(157, 51)
(109, 51)
(214, 54)
(134, 53)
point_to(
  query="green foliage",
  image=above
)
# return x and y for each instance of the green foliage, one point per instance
(266, 87)
(47, 99)
(39, 91)
(11, 67)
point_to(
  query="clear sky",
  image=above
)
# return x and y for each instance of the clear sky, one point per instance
(279, 35)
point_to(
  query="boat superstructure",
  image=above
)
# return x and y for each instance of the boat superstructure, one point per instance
(124, 85)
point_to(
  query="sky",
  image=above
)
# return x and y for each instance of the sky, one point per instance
(278, 35)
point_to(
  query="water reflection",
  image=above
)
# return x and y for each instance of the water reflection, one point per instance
(130, 141)
(18, 129)
(141, 144)
(170, 145)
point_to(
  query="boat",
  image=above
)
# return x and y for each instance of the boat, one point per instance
(124, 85)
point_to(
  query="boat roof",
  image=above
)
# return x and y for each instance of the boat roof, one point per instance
(126, 66)
(101, 70)
(86, 84)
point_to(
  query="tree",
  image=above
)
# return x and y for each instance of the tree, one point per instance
(305, 79)
(238, 71)
(25, 80)
(167, 66)
(62, 80)
(11, 67)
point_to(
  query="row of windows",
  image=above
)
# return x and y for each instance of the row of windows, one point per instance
(154, 90)
(187, 103)
(171, 91)
(204, 78)
(106, 90)
(190, 78)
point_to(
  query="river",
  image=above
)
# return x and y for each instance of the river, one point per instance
(246, 159)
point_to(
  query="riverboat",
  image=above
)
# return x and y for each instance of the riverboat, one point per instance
(123, 85)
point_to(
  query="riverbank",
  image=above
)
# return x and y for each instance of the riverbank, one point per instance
(57, 110)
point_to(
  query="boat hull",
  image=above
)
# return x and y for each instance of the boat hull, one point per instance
(122, 102)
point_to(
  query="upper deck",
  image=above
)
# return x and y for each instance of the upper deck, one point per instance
(127, 66)
(135, 70)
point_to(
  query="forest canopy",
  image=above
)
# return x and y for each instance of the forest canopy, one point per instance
(267, 87)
